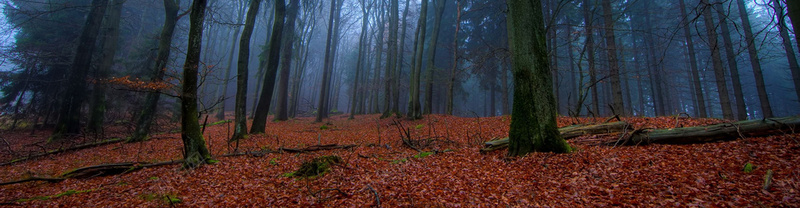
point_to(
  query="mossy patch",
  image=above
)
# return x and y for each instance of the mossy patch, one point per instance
(316, 167)
(66, 193)
(748, 168)
(423, 155)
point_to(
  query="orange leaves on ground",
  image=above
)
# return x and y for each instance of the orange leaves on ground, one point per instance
(705, 175)
(137, 84)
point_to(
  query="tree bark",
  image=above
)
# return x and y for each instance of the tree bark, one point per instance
(698, 87)
(787, 45)
(286, 58)
(588, 20)
(145, 118)
(222, 90)
(70, 116)
(109, 45)
(362, 41)
(195, 151)
(533, 118)
(264, 101)
(242, 64)
(611, 42)
(452, 81)
(414, 108)
(430, 61)
(323, 101)
(755, 62)
(716, 60)
(569, 132)
(738, 95)
(713, 133)
(391, 57)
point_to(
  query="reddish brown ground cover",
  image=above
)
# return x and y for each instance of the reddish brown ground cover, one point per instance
(704, 175)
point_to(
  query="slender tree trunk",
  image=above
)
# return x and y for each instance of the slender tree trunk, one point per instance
(452, 82)
(414, 108)
(698, 88)
(376, 77)
(533, 119)
(109, 46)
(262, 110)
(430, 61)
(145, 118)
(401, 57)
(323, 103)
(195, 152)
(223, 90)
(286, 59)
(70, 116)
(243, 62)
(755, 62)
(362, 40)
(589, 19)
(611, 42)
(716, 60)
(738, 95)
(787, 45)
(391, 56)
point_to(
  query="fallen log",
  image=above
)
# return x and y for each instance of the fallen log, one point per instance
(75, 148)
(317, 148)
(94, 171)
(568, 133)
(712, 133)
(51, 180)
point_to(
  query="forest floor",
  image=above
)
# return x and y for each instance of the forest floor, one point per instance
(382, 171)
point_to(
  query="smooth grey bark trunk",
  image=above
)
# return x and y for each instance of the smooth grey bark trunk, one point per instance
(452, 81)
(401, 57)
(242, 69)
(431, 59)
(391, 57)
(414, 108)
(588, 20)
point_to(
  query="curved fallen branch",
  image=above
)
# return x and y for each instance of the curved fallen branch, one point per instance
(96, 170)
(75, 148)
(317, 148)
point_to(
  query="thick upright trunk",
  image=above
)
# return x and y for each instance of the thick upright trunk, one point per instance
(755, 62)
(282, 107)
(242, 64)
(698, 87)
(69, 120)
(430, 64)
(262, 110)
(787, 45)
(145, 119)
(195, 152)
(533, 119)
(738, 95)
(414, 111)
(109, 43)
(716, 60)
(611, 43)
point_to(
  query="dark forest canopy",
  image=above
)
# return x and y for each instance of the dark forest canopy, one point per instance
(705, 58)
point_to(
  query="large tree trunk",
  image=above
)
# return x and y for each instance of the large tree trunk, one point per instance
(69, 122)
(430, 61)
(262, 109)
(452, 81)
(716, 60)
(738, 95)
(755, 62)
(145, 119)
(787, 45)
(414, 111)
(698, 87)
(569, 132)
(588, 19)
(611, 42)
(712, 133)
(391, 57)
(282, 107)
(109, 43)
(533, 118)
(242, 64)
(195, 152)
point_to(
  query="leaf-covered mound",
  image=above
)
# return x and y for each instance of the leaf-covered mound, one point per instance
(704, 175)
